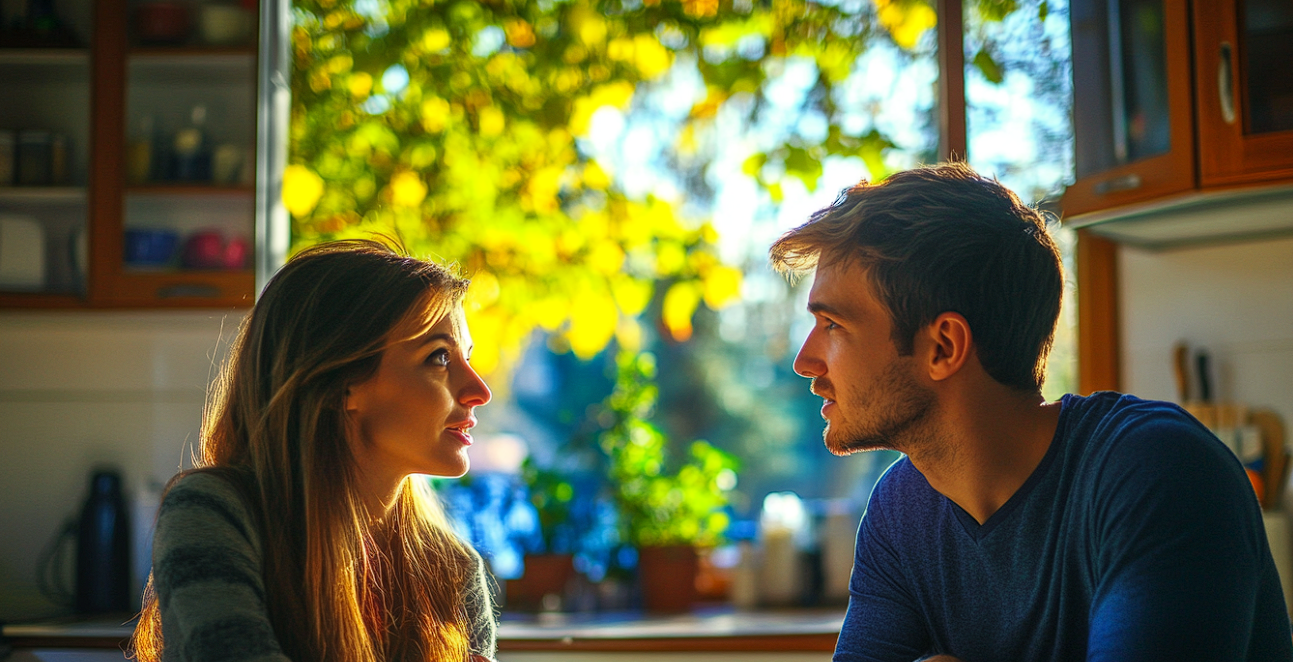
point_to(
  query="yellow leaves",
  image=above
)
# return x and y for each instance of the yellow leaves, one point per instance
(587, 26)
(906, 20)
(700, 8)
(487, 327)
(541, 191)
(721, 285)
(617, 94)
(407, 189)
(651, 58)
(593, 321)
(708, 108)
(301, 190)
(435, 40)
(646, 53)
(339, 64)
(519, 33)
(670, 257)
(360, 85)
(596, 178)
(606, 258)
(632, 295)
(435, 114)
(680, 302)
(491, 121)
(550, 313)
(483, 291)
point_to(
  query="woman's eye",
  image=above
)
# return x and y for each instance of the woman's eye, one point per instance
(440, 357)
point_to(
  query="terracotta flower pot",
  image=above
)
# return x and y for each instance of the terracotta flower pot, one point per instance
(545, 574)
(668, 577)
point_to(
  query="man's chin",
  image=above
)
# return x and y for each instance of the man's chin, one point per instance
(844, 444)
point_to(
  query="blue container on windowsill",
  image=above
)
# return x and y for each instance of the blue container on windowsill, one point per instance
(150, 248)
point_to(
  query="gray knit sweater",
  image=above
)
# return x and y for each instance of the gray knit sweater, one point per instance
(207, 575)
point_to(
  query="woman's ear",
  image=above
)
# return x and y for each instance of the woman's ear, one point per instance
(950, 345)
(352, 400)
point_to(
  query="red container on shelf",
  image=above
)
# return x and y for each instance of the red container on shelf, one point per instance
(162, 22)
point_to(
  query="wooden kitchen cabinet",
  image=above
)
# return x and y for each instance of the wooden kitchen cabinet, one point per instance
(1131, 103)
(158, 208)
(1244, 95)
(1173, 98)
(1183, 123)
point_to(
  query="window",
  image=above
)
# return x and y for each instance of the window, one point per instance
(610, 174)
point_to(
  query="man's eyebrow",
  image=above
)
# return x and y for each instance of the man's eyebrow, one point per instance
(817, 307)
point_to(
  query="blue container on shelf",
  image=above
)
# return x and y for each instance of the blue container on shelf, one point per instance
(150, 248)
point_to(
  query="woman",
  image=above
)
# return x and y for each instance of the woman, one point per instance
(304, 532)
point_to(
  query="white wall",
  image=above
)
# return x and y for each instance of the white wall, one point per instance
(1235, 300)
(84, 389)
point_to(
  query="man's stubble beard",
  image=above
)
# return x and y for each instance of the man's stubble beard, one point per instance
(894, 414)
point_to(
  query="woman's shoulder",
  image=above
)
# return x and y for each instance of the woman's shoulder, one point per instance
(206, 502)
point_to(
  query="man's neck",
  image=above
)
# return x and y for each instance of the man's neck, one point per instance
(990, 440)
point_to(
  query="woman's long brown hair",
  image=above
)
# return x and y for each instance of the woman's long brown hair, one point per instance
(337, 586)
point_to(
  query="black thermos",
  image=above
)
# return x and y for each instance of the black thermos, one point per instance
(103, 548)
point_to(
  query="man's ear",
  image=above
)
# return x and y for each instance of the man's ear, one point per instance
(950, 344)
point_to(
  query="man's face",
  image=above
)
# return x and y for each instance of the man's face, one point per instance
(874, 399)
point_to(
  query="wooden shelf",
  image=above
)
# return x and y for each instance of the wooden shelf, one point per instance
(184, 189)
(45, 56)
(43, 193)
(202, 51)
(40, 300)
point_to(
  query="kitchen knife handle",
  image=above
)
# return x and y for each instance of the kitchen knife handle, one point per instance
(1201, 362)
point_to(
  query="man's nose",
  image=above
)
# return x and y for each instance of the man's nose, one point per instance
(806, 362)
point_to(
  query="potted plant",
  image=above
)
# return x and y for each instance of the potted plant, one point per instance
(665, 513)
(549, 566)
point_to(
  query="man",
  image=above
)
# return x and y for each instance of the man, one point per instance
(1096, 528)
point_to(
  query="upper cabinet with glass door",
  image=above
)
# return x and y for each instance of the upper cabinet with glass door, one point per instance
(1244, 59)
(45, 143)
(1181, 110)
(181, 205)
(1131, 103)
(127, 153)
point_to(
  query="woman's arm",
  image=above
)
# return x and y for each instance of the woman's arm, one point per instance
(207, 576)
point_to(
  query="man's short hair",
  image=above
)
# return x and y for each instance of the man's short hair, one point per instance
(945, 239)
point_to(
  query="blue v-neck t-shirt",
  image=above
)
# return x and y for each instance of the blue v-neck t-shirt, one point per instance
(1137, 537)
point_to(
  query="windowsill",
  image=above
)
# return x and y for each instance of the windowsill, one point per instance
(715, 629)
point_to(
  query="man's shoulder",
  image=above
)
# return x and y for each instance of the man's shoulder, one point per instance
(1125, 426)
(1120, 439)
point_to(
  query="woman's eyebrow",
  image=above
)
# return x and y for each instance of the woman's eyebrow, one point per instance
(446, 337)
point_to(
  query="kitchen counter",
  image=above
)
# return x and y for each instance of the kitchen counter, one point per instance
(719, 630)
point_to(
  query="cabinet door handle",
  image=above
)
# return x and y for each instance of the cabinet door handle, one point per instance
(1226, 84)
(1127, 182)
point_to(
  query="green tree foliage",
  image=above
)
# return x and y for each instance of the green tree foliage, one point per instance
(460, 126)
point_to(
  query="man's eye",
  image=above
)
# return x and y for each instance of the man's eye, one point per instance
(831, 325)
(440, 357)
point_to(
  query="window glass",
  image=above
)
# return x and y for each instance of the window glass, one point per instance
(1019, 96)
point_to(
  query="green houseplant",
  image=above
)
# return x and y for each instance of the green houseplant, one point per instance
(547, 571)
(666, 513)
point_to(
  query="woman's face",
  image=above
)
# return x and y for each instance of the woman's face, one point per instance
(414, 415)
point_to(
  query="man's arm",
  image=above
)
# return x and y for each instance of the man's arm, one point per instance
(1183, 567)
(882, 623)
